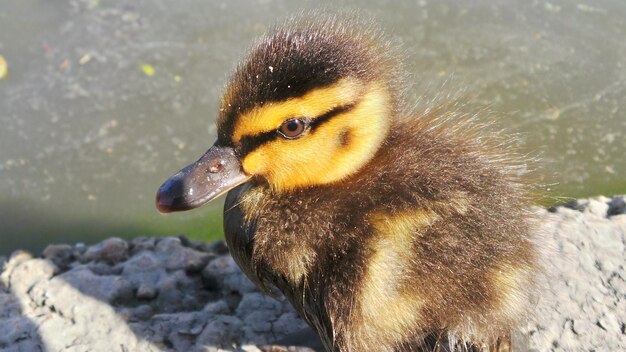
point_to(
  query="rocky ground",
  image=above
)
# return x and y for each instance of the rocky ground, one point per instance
(172, 294)
(583, 304)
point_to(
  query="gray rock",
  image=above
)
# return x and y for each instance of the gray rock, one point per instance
(221, 332)
(10, 304)
(598, 207)
(18, 334)
(217, 307)
(146, 292)
(223, 273)
(173, 294)
(61, 255)
(617, 206)
(24, 274)
(582, 305)
(112, 250)
(143, 243)
(108, 288)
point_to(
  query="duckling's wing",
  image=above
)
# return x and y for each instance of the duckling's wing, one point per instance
(240, 236)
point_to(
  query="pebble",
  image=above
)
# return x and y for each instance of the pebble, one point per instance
(60, 254)
(617, 206)
(597, 208)
(112, 250)
(146, 292)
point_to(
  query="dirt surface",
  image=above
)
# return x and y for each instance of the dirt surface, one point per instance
(172, 294)
(583, 304)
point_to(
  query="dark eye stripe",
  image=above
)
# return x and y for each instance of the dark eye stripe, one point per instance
(249, 143)
(332, 113)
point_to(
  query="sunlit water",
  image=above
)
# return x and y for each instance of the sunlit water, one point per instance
(106, 99)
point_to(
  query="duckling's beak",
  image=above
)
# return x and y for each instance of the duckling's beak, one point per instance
(216, 172)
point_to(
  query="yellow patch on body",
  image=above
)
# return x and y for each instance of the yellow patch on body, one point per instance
(512, 283)
(402, 226)
(334, 150)
(460, 203)
(298, 264)
(508, 308)
(390, 314)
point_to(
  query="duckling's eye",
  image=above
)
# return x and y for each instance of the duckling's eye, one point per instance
(292, 128)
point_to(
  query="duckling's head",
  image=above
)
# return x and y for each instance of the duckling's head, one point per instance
(310, 105)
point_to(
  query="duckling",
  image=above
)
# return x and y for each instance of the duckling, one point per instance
(387, 231)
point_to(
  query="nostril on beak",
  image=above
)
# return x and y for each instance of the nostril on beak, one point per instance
(215, 168)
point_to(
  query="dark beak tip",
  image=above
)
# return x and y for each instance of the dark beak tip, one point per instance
(168, 195)
(163, 203)
(162, 207)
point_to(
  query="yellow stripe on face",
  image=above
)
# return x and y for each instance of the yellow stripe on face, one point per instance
(333, 150)
(270, 116)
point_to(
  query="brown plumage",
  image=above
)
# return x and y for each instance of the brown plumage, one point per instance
(386, 231)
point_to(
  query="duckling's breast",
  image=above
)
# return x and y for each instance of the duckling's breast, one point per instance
(304, 243)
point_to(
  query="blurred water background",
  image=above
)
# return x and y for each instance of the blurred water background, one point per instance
(106, 99)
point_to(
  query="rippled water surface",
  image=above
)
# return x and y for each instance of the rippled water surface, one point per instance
(105, 99)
